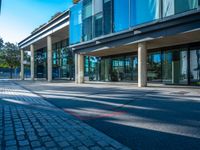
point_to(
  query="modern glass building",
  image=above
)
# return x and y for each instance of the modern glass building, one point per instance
(135, 41)
(108, 21)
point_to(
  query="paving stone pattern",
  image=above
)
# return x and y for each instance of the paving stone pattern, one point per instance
(29, 122)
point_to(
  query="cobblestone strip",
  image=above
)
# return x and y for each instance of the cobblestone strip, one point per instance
(24, 128)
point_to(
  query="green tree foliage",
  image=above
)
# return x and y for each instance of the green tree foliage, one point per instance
(10, 56)
(1, 43)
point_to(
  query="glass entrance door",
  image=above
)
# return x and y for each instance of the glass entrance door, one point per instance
(175, 67)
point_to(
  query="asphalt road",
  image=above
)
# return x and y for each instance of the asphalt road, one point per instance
(142, 119)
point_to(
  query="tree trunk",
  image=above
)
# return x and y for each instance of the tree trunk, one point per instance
(11, 76)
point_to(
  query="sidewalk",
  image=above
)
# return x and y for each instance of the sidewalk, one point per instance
(29, 122)
(151, 118)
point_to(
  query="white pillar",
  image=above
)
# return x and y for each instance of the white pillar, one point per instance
(49, 61)
(22, 65)
(142, 65)
(79, 70)
(32, 62)
(76, 68)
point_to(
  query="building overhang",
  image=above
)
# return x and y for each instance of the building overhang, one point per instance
(55, 26)
(159, 29)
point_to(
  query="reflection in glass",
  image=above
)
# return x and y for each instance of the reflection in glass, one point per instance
(105, 69)
(63, 61)
(117, 73)
(135, 68)
(121, 15)
(75, 23)
(87, 20)
(41, 63)
(167, 67)
(91, 68)
(195, 67)
(175, 67)
(172, 7)
(143, 11)
(107, 13)
(154, 66)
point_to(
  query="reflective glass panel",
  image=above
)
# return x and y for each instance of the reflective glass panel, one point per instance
(107, 16)
(143, 11)
(98, 6)
(121, 15)
(87, 20)
(41, 63)
(76, 23)
(172, 7)
(175, 67)
(63, 61)
(154, 66)
(98, 25)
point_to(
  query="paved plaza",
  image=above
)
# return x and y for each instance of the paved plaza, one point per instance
(27, 121)
(154, 118)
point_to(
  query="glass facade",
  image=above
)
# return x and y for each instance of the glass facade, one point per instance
(180, 66)
(143, 11)
(107, 16)
(175, 67)
(91, 69)
(87, 20)
(154, 66)
(121, 15)
(101, 17)
(63, 61)
(40, 63)
(123, 68)
(172, 7)
(76, 24)
(98, 18)
(195, 66)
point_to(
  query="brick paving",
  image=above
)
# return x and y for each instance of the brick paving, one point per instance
(29, 122)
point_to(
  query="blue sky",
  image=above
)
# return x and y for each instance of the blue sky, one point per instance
(20, 17)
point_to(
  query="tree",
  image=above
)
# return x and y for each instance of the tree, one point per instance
(10, 56)
(1, 43)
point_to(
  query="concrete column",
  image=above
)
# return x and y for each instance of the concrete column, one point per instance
(142, 65)
(49, 60)
(76, 68)
(32, 62)
(80, 69)
(22, 65)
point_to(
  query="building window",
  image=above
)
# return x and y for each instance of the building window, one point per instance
(87, 20)
(121, 15)
(41, 63)
(63, 61)
(143, 11)
(175, 67)
(98, 24)
(107, 16)
(172, 7)
(98, 18)
(76, 24)
(154, 66)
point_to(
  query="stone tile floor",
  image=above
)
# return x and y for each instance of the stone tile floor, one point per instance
(29, 122)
